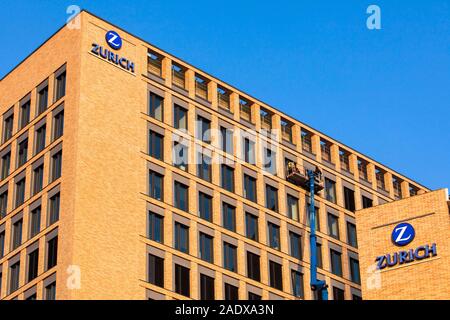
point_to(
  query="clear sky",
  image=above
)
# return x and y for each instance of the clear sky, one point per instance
(385, 93)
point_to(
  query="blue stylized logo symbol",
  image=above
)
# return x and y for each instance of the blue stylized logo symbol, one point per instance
(403, 234)
(114, 40)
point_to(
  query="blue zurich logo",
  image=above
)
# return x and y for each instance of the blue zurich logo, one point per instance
(114, 40)
(403, 234)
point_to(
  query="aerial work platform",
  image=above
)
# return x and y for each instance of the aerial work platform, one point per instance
(298, 175)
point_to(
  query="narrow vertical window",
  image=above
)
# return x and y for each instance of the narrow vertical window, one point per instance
(156, 270)
(155, 145)
(227, 178)
(276, 276)
(54, 209)
(251, 226)
(181, 234)
(206, 287)
(229, 217)
(229, 257)
(33, 261)
(56, 165)
(8, 123)
(22, 153)
(205, 206)
(155, 106)
(35, 221)
(206, 247)
(50, 291)
(155, 185)
(181, 196)
(40, 138)
(17, 234)
(296, 245)
(38, 179)
(336, 262)
(297, 284)
(60, 89)
(42, 100)
(253, 266)
(20, 192)
(58, 125)
(6, 165)
(274, 235)
(24, 115)
(14, 272)
(180, 118)
(52, 252)
(155, 227)
(182, 280)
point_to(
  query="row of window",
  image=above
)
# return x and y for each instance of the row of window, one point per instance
(37, 181)
(32, 268)
(205, 204)
(181, 243)
(42, 103)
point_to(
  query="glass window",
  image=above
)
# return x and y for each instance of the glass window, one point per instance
(276, 277)
(354, 271)
(20, 192)
(155, 185)
(22, 153)
(50, 291)
(249, 188)
(251, 225)
(366, 202)
(40, 139)
(349, 199)
(274, 235)
(3, 204)
(205, 206)
(226, 140)
(253, 266)
(155, 145)
(6, 164)
(180, 117)
(33, 261)
(52, 252)
(229, 216)
(156, 270)
(351, 235)
(204, 167)
(155, 227)
(24, 114)
(155, 106)
(270, 161)
(271, 198)
(333, 226)
(206, 287)
(296, 245)
(8, 128)
(316, 211)
(203, 129)
(17, 234)
(182, 280)
(336, 262)
(231, 292)
(42, 100)
(54, 208)
(319, 255)
(254, 296)
(206, 247)
(297, 284)
(56, 165)
(181, 235)
(181, 196)
(58, 125)
(14, 272)
(330, 190)
(227, 178)
(249, 151)
(292, 204)
(2, 244)
(60, 86)
(38, 178)
(180, 156)
(229, 257)
(338, 294)
(35, 221)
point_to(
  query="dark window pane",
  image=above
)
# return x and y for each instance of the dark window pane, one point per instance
(251, 225)
(229, 257)
(156, 270)
(297, 284)
(6, 164)
(58, 125)
(227, 178)
(229, 217)
(33, 260)
(50, 291)
(40, 139)
(20, 192)
(351, 235)
(54, 208)
(271, 198)
(181, 237)
(60, 86)
(156, 227)
(296, 245)
(181, 196)
(274, 236)
(155, 185)
(42, 99)
(206, 247)
(250, 188)
(333, 226)
(205, 206)
(354, 271)
(180, 118)
(17, 234)
(14, 272)
(338, 294)
(231, 292)
(35, 221)
(52, 252)
(253, 266)
(155, 106)
(24, 114)
(276, 277)
(206, 287)
(336, 262)
(182, 280)
(38, 179)
(22, 153)
(8, 128)
(155, 147)
(349, 199)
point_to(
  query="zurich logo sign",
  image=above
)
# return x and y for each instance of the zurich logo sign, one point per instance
(114, 40)
(403, 234)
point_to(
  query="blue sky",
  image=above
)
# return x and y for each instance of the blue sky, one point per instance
(385, 93)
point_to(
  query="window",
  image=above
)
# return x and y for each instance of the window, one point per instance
(366, 202)
(413, 191)
(35, 221)
(336, 262)
(226, 140)
(330, 190)
(349, 199)
(231, 292)
(204, 167)
(205, 206)
(155, 185)
(154, 63)
(245, 109)
(1, 280)
(223, 97)
(155, 145)
(38, 178)
(2, 244)
(17, 234)
(333, 226)
(325, 148)
(33, 261)
(253, 266)
(54, 208)
(362, 169)
(22, 153)
(155, 106)
(182, 280)
(24, 114)
(206, 247)
(271, 198)
(297, 284)
(180, 156)
(3, 204)
(292, 206)
(344, 158)
(249, 188)
(306, 141)
(227, 178)
(229, 216)
(201, 87)
(40, 138)
(266, 119)
(206, 287)
(180, 118)
(249, 151)
(319, 255)
(276, 278)
(274, 235)
(203, 129)
(60, 86)
(58, 125)
(52, 252)
(20, 192)
(351, 235)
(8, 127)
(50, 291)
(14, 272)
(396, 184)
(229, 257)
(355, 297)
(155, 227)
(181, 234)
(56, 165)
(156, 270)
(178, 75)
(379, 176)
(296, 245)
(6, 164)
(251, 226)
(286, 130)
(338, 294)
(42, 100)
(354, 271)
(254, 296)
(270, 161)
(181, 196)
